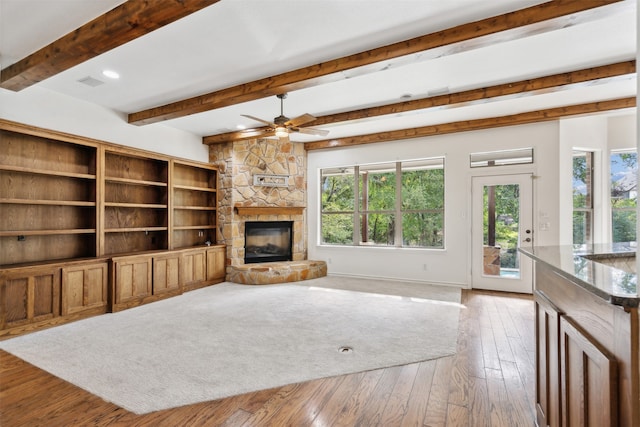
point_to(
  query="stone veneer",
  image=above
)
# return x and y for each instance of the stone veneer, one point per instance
(277, 272)
(238, 162)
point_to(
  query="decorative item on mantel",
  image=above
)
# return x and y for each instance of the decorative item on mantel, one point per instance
(261, 180)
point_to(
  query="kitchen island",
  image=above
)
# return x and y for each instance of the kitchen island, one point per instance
(587, 335)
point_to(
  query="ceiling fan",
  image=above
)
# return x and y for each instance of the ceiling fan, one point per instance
(282, 125)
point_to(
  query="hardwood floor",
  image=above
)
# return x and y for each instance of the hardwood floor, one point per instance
(489, 382)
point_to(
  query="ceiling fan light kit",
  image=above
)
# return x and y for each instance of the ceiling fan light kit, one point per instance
(281, 132)
(283, 126)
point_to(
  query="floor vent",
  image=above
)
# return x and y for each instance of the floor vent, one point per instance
(345, 350)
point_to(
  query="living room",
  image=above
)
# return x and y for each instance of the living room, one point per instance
(596, 113)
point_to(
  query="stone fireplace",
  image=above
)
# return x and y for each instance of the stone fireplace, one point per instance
(261, 180)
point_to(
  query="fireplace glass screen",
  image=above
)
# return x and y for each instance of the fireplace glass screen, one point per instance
(267, 241)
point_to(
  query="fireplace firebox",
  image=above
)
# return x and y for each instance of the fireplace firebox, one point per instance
(267, 241)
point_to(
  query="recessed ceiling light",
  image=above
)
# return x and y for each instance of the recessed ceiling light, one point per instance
(241, 127)
(111, 74)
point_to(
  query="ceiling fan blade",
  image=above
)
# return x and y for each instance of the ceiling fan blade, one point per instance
(313, 131)
(297, 121)
(258, 120)
(253, 133)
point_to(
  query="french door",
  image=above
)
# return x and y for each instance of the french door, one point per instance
(502, 222)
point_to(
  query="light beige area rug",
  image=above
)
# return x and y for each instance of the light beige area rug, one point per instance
(231, 339)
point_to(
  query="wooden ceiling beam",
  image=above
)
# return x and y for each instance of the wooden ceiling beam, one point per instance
(120, 25)
(524, 87)
(471, 125)
(532, 20)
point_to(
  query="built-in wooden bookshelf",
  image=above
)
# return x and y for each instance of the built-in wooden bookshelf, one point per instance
(80, 218)
(136, 204)
(194, 204)
(47, 199)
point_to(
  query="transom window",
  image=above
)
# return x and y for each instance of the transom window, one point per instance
(397, 204)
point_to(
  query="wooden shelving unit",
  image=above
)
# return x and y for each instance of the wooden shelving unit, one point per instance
(194, 199)
(136, 204)
(88, 227)
(47, 199)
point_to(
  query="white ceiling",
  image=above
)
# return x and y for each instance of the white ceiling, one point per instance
(237, 41)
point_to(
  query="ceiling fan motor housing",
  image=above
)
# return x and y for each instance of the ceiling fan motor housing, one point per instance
(281, 120)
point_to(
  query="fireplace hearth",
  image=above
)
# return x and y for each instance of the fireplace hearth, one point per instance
(268, 241)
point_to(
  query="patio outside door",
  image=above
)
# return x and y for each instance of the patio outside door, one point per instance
(501, 223)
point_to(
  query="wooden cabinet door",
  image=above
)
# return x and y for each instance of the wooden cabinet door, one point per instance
(84, 287)
(216, 268)
(194, 268)
(133, 279)
(166, 273)
(29, 296)
(589, 379)
(547, 362)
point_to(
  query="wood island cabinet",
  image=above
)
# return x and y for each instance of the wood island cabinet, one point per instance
(88, 227)
(547, 361)
(587, 356)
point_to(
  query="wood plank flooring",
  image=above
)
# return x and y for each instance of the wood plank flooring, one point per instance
(489, 382)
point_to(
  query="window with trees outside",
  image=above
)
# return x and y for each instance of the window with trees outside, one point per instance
(397, 204)
(582, 197)
(624, 195)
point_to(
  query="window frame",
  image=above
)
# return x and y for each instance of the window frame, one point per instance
(397, 211)
(589, 209)
(612, 209)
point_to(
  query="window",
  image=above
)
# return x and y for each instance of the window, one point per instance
(398, 204)
(518, 156)
(582, 197)
(624, 195)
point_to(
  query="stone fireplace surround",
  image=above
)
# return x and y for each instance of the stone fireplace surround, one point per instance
(239, 200)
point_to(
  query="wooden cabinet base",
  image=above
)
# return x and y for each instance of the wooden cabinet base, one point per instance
(50, 294)
(48, 323)
(44, 295)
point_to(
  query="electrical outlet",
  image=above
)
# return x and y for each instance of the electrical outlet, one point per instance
(425, 267)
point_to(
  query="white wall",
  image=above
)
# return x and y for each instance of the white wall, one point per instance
(453, 264)
(51, 110)
(621, 132)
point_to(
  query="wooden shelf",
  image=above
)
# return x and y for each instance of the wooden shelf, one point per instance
(191, 188)
(195, 208)
(269, 210)
(135, 229)
(135, 205)
(135, 181)
(195, 227)
(16, 233)
(22, 169)
(47, 202)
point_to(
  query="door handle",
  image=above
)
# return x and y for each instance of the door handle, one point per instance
(528, 239)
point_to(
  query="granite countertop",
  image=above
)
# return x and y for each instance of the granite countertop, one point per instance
(588, 266)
